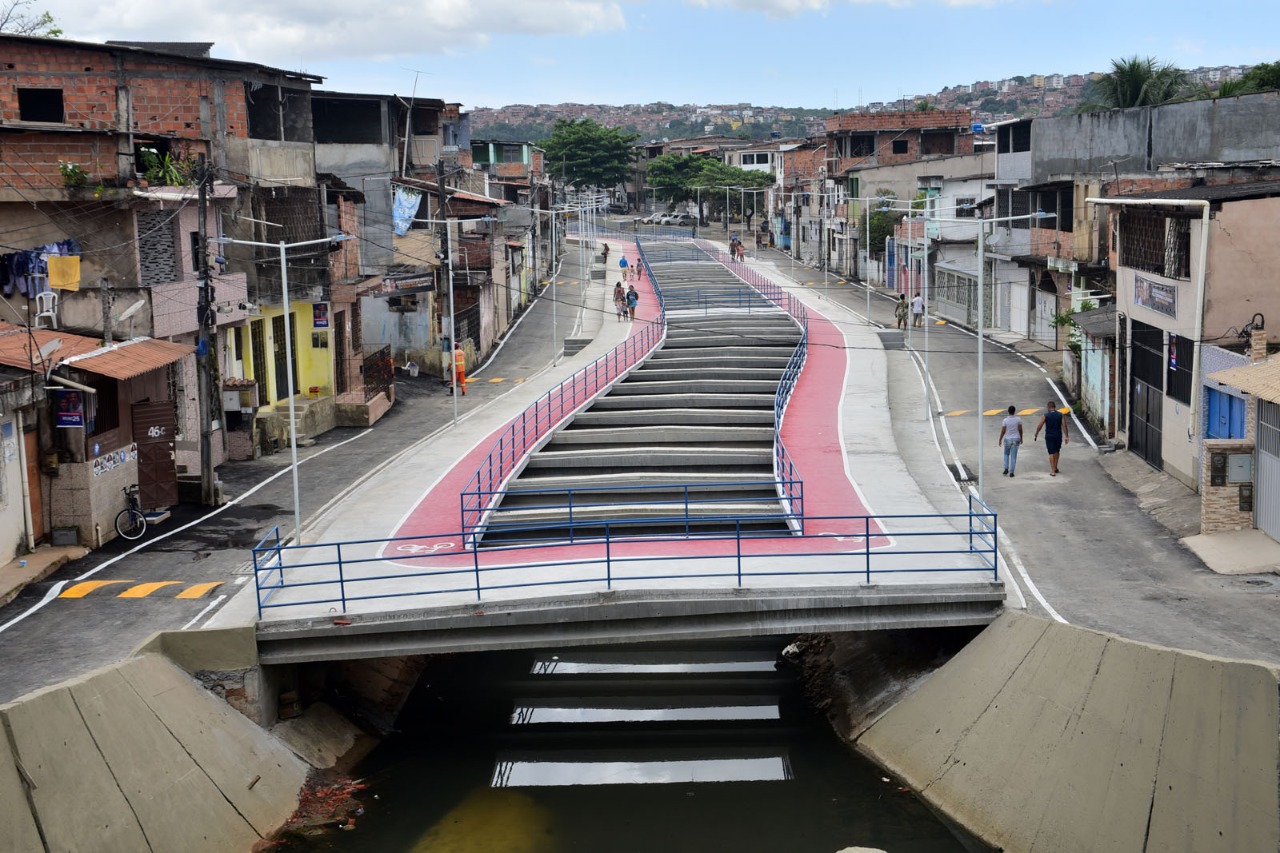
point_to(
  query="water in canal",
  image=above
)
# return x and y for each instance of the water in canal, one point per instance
(700, 749)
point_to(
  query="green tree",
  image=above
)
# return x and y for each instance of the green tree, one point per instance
(589, 154)
(672, 177)
(1262, 78)
(1135, 82)
(882, 221)
(17, 17)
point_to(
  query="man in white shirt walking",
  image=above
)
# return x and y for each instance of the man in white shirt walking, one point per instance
(917, 310)
(1010, 439)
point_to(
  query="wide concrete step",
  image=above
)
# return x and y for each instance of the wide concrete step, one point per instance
(695, 384)
(685, 401)
(727, 339)
(663, 434)
(611, 482)
(631, 511)
(690, 370)
(640, 417)
(648, 456)
(770, 358)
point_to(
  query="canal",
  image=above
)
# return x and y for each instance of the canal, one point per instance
(708, 747)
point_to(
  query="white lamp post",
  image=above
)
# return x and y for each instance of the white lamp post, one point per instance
(288, 348)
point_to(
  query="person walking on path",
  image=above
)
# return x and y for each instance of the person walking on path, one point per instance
(633, 299)
(917, 310)
(619, 301)
(1010, 438)
(900, 311)
(604, 254)
(1056, 434)
(460, 368)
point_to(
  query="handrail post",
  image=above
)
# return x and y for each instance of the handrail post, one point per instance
(608, 558)
(342, 581)
(737, 525)
(866, 544)
(475, 561)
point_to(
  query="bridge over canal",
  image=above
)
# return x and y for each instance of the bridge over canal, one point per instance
(707, 470)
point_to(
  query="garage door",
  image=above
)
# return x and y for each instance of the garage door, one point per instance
(1267, 512)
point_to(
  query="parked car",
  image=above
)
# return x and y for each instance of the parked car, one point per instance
(684, 220)
(652, 218)
(617, 208)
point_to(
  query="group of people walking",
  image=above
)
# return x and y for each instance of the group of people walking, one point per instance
(1056, 434)
(625, 301)
(915, 308)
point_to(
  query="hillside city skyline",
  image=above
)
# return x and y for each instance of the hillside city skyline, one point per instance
(990, 100)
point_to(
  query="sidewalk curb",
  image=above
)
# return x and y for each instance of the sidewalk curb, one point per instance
(35, 574)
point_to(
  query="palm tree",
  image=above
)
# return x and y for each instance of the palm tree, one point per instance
(1135, 82)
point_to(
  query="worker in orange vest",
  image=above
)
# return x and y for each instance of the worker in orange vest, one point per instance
(460, 368)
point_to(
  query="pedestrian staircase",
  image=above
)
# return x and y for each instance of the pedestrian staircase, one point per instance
(683, 444)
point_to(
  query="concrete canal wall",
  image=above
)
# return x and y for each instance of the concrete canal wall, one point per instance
(139, 756)
(1039, 736)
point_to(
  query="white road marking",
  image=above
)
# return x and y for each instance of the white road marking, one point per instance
(57, 588)
(200, 615)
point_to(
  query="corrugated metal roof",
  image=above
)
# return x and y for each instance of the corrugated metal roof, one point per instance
(1097, 322)
(1262, 380)
(130, 358)
(1217, 192)
(20, 347)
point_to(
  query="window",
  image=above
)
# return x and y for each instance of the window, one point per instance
(938, 143)
(899, 146)
(103, 407)
(1021, 206)
(43, 105)
(1153, 242)
(1181, 351)
(862, 145)
(966, 207)
(1225, 415)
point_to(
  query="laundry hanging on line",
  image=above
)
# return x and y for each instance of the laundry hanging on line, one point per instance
(29, 272)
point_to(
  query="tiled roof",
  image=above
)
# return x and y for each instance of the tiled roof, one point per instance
(20, 347)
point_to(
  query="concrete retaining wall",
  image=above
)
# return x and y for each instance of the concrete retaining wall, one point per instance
(1045, 737)
(139, 757)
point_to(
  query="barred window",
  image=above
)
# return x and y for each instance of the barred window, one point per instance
(1181, 351)
(1156, 243)
(966, 207)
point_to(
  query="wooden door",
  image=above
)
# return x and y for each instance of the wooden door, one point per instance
(153, 430)
(32, 441)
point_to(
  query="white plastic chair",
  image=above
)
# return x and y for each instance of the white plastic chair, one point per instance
(46, 307)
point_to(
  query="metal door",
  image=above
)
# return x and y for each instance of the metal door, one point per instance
(258, 347)
(286, 358)
(32, 441)
(1145, 423)
(1018, 309)
(1267, 490)
(340, 352)
(1043, 329)
(153, 431)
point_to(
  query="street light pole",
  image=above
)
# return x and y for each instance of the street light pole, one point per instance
(288, 346)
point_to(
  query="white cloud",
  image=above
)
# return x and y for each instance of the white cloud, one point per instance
(286, 32)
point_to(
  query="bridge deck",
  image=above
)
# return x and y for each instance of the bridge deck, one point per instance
(838, 433)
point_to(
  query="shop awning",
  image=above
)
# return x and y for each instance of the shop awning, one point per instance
(1262, 380)
(128, 359)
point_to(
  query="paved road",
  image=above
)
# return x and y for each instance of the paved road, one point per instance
(57, 636)
(1094, 556)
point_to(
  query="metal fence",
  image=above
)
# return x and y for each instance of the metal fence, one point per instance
(340, 575)
(378, 370)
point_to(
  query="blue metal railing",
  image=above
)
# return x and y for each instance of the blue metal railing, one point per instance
(791, 486)
(345, 573)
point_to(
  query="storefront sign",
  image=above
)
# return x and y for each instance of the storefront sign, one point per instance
(1156, 296)
(68, 408)
(320, 315)
(114, 459)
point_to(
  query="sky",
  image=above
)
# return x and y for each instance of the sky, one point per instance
(835, 54)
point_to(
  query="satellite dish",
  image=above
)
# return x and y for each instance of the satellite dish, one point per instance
(995, 240)
(50, 348)
(131, 310)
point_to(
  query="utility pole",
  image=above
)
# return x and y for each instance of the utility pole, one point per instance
(107, 297)
(204, 348)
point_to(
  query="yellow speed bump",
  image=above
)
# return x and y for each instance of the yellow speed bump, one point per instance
(142, 590)
(83, 588)
(199, 590)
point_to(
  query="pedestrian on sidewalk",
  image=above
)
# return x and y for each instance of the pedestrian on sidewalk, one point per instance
(619, 301)
(604, 254)
(633, 299)
(1056, 434)
(900, 311)
(917, 310)
(1010, 439)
